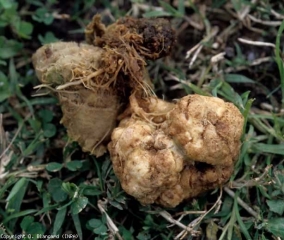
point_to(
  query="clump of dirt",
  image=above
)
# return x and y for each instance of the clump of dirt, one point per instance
(151, 38)
(128, 43)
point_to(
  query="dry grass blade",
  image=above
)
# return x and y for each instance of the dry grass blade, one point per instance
(198, 47)
(198, 220)
(3, 140)
(4, 158)
(170, 219)
(276, 14)
(15, 136)
(253, 63)
(267, 23)
(245, 11)
(111, 225)
(257, 43)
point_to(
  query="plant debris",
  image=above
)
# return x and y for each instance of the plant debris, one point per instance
(151, 38)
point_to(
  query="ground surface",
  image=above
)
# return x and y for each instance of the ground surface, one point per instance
(231, 49)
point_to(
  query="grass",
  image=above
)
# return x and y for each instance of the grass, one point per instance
(48, 186)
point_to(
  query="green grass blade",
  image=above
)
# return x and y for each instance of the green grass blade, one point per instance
(59, 219)
(9, 182)
(268, 148)
(98, 168)
(279, 60)
(77, 224)
(237, 78)
(19, 214)
(239, 219)
(46, 209)
(156, 14)
(181, 7)
(15, 202)
(16, 188)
